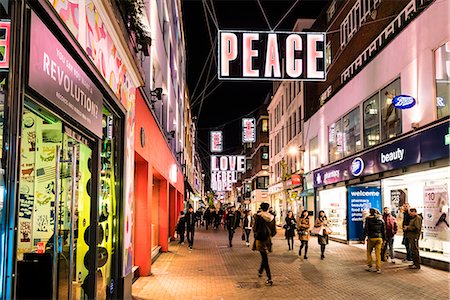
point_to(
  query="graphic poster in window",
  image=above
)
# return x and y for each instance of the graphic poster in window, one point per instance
(436, 209)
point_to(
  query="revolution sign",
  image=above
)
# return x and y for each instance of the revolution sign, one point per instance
(269, 55)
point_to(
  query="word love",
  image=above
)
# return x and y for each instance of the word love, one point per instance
(224, 170)
(272, 55)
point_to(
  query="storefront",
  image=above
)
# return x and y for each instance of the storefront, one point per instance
(412, 169)
(64, 157)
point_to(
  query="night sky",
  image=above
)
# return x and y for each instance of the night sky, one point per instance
(231, 100)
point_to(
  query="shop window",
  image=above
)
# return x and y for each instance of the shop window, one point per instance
(264, 126)
(314, 153)
(371, 121)
(249, 164)
(391, 123)
(262, 182)
(265, 152)
(442, 60)
(352, 132)
(335, 141)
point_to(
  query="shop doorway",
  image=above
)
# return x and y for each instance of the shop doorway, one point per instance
(54, 211)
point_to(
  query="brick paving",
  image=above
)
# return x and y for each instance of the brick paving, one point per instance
(213, 271)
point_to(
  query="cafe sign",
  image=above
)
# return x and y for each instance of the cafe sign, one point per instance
(56, 75)
(271, 55)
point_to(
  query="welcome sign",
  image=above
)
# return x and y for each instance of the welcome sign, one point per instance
(269, 55)
(56, 75)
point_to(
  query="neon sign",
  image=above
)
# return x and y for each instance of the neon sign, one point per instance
(267, 55)
(5, 30)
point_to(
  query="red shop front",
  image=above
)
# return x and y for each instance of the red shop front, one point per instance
(159, 187)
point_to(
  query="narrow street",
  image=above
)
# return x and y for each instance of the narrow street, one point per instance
(212, 270)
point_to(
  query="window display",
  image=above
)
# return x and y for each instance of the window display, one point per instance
(391, 123)
(352, 132)
(335, 140)
(371, 121)
(334, 203)
(427, 192)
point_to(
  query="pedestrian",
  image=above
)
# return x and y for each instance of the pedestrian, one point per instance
(289, 226)
(413, 231)
(264, 229)
(190, 226)
(303, 232)
(406, 219)
(207, 218)
(231, 224)
(181, 227)
(322, 237)
(391, 231)
(247, 226)
(375, 231)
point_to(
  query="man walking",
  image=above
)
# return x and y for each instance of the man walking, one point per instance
(232, 221)
(190, 226)
(391, 231)
(413, 231)
(375, 231)
(264, 229)
(406, 219)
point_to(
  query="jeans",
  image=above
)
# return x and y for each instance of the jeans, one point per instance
(265, 264)
(376, 243)
(408, 248)
(414, 245)
(190, 236)
(290, 240)
(247, 235)
(389, 247)
(230, 235)
(305, 245)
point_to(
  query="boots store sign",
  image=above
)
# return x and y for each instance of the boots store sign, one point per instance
(56, 75)
(268, 55)
(422, 147)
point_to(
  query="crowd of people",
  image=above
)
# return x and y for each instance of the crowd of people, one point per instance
(379, 231)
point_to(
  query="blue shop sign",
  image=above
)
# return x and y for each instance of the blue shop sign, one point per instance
(360, 199)
(403, 101)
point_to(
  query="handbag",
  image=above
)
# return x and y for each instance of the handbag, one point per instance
(317, 230)
(327, 230)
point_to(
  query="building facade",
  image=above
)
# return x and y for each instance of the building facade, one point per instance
(368, 146)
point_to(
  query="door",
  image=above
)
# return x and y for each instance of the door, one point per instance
(54, 214)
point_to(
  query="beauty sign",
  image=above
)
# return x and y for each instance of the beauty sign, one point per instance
(248, 130)
(271, 55)
(216, 141)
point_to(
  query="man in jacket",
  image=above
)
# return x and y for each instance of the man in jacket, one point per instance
(391, 231)
(406, 219)
(190, 226)
(375, 231)
(413, 231)
(181, 227)
(264, 229)
(232, 222)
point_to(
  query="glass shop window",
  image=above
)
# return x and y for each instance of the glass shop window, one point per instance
(335, 141)
(371, 111)
(265, 127)
(391, 117)
(442, 60)
(352, 132)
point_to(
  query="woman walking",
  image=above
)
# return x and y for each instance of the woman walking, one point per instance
(248, 223)
(322, 221)
(290, 225)
(303, 232)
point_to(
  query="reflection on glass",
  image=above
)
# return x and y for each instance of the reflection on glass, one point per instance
(371, 122)
(335, 141)
(391, 124)
(352, 136)
(442, 57)
(107, 226)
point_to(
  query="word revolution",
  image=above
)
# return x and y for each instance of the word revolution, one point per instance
(224, 171)
(272, 55)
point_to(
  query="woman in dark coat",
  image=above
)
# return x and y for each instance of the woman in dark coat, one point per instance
(303, 232)
(322, 220)
(290, 225)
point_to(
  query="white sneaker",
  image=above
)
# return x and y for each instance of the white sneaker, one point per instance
(369, 269)
(378, 271)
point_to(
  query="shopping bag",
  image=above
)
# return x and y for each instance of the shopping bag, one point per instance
(317, 230)
(327, 230)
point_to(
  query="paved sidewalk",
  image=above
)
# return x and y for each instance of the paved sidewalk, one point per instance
(214, 271)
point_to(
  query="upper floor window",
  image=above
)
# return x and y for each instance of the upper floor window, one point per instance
(371, 121)
(391, 123)
(442, 60)
(352, 132)
(314, 153)
(335, 148)
(264, 125)
(328, 55)
(331, 10)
